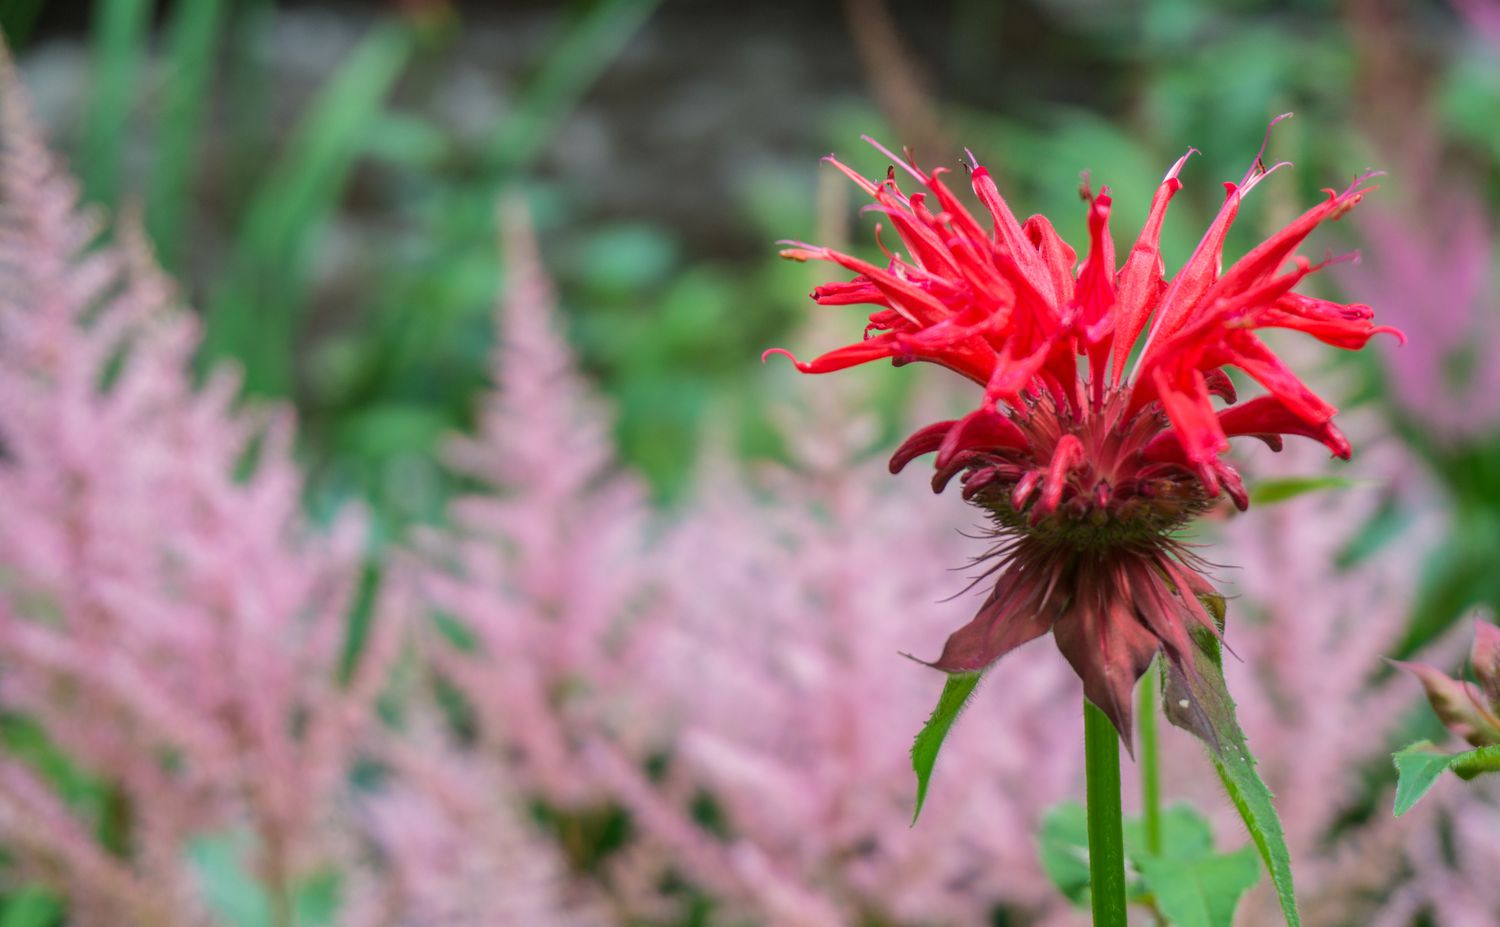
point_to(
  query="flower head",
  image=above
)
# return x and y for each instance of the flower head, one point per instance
(1086, 461)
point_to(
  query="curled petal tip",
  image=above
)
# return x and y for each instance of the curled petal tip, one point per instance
(1391, 330)
(783, 352)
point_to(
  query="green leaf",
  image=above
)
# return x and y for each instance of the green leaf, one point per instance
(1064, 848)
(31, 906)
(929, 740)
(1197, 700)
(1200, 892)
(1417, 768)
(1185, 835)
(1419, 765)
(1269, 492)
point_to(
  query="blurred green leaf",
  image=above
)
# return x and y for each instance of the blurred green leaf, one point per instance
(407, 140)
(1202, 892)
(1185, 835)
(1469, 96)
(17, 18)
(224, 871)
(924, 751)
(31, 906)
(192, 35)
(627, 257)
(1269, 492)
(119, 45)
(254, 315)
(1064, 845)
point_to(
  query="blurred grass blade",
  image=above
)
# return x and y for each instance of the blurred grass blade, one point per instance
(568, 70)
(192, 36)
(254, 314)
(17, 17)
(247, 96)
(119, 45)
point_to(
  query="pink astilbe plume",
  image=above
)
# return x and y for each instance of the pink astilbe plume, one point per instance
(791, 709)
(167, 618)
(453, 846)
(543, 567)
(1430, 260)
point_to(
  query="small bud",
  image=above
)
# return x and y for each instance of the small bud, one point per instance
(1486, 660)
(1459, 705)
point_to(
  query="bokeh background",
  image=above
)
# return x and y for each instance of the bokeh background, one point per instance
(500, 583)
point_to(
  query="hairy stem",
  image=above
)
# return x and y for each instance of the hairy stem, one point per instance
(1106, 836)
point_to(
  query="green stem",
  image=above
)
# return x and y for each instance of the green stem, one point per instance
(1150, 763)
(1106, 836)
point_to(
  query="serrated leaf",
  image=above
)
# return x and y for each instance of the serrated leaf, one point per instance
(1063, 843)
(1197, 700)
(1203, 892)
(924, 750)
(1417, 770)
(1420, 765)
(1269, 492)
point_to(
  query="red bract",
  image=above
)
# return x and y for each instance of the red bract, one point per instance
(1087, 462)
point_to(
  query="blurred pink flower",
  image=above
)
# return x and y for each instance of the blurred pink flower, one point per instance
(453, 846)
(1429, 260)
(544, 565)
(167, 618)
(790, 601)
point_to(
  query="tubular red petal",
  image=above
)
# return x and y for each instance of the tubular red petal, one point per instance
(1251, 355)
(1141, 281)
(1267, 415)
(919, 307)
(923, 441)
(1268, 257)
(855, 292)
(1008, 232)
(1220, 385)
(862, 352)
(1058, 258)
(1068, 454)
(1192, 415)
(983, 429)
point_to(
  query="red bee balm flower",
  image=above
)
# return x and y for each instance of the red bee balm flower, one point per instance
(1085, 469)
